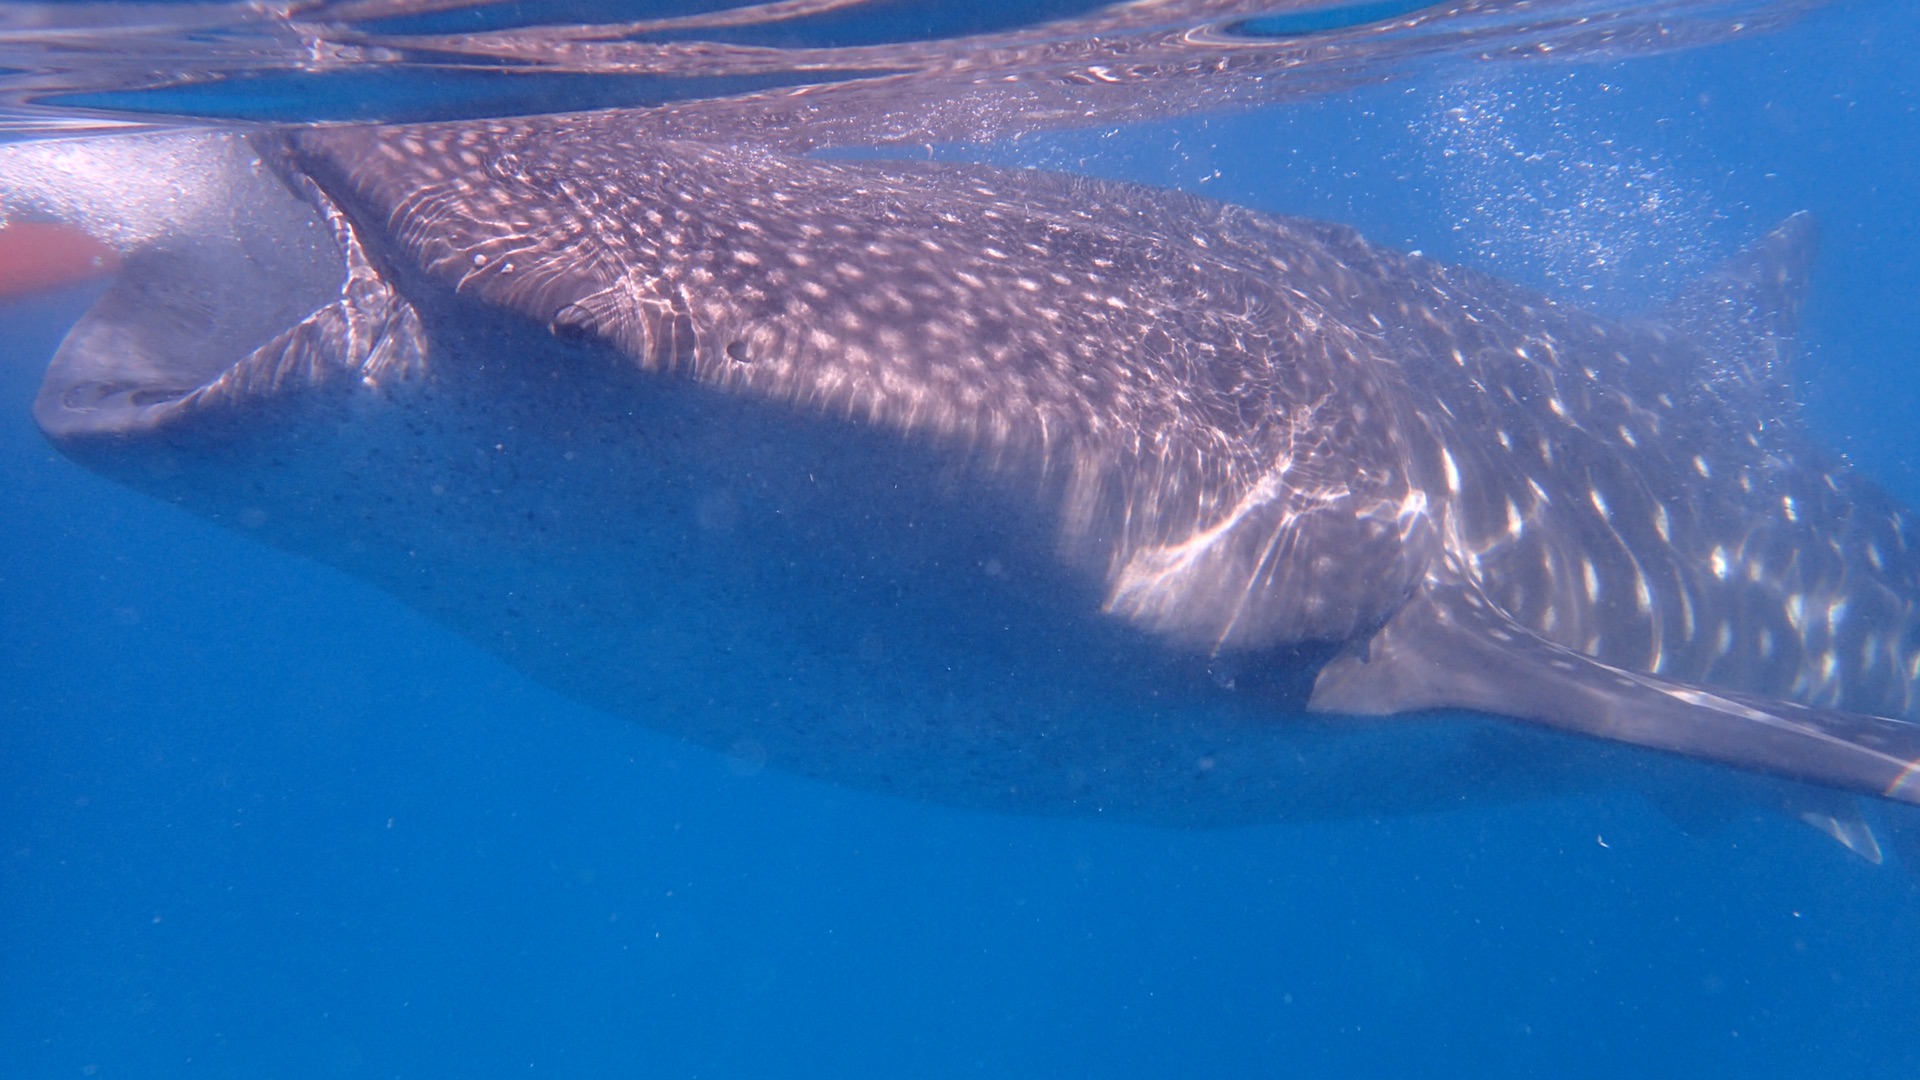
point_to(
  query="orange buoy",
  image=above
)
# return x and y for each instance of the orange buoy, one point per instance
(41, 255)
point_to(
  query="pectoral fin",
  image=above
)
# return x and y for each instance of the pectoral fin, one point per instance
(1448, 647)
(1848, 828)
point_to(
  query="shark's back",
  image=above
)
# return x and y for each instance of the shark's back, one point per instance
(1174, 363)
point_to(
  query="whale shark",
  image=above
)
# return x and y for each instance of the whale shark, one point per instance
(997, 487)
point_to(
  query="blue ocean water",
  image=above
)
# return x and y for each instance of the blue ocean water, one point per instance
(258, 819)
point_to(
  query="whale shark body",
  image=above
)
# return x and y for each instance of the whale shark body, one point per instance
(1005, 488)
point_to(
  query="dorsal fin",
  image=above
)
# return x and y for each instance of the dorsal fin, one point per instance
(1746, 313)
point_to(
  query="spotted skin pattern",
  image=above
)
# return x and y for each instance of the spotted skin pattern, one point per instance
(1251, 432)
(1229, 366)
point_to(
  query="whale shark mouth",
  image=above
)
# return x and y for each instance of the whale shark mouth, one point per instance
(252, 285)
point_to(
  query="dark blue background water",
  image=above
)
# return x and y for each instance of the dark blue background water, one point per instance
(258, 820)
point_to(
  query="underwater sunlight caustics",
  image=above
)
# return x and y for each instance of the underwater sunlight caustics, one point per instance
(660, 420)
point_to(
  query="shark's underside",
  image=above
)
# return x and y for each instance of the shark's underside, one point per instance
(1003, 487)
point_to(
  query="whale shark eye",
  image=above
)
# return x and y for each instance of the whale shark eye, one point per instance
(737, 352)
